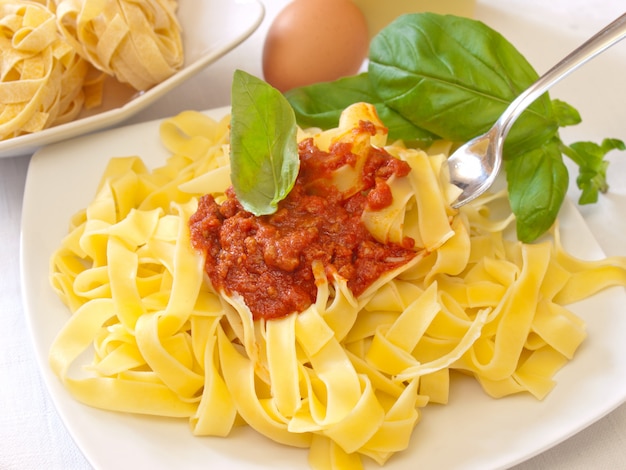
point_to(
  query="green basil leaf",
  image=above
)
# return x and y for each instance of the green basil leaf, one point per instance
(321, 104)
(454, 77)
(590, 157)
(537, 183)
(565, 114)
(264, 157)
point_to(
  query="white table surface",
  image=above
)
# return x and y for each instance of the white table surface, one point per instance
(32, 435)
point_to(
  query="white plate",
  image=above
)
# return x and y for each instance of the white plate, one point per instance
(473, 431)
(211, 28)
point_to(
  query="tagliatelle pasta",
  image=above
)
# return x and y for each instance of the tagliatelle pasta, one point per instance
(349, 377)
(139, 43)
(43, 81)
(55, 55)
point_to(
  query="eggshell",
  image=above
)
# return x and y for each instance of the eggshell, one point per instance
(311, 41)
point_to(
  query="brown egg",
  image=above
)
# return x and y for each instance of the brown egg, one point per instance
(312, 41)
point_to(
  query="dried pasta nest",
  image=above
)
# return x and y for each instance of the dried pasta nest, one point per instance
(41, 74)
(54, 55)
(138, 42)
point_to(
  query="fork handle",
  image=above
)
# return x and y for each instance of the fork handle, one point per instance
(599, 42)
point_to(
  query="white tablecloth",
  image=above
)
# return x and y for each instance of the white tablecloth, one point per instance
(32, 435)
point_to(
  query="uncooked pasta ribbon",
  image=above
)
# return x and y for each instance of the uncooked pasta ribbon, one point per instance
(42, 78)
(56, 54)
(139, 43)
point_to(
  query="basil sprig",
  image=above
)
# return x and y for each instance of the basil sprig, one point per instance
(441, 76)
(264, 158)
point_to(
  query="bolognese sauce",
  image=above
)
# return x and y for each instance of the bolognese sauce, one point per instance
(268, 259)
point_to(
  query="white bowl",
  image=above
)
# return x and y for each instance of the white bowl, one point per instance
(211, 28)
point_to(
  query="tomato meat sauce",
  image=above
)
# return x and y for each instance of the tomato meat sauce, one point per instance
(268, 259)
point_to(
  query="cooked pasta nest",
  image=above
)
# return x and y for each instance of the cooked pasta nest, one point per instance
(348, 377)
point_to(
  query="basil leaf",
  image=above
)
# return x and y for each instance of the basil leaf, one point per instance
(589, 156)
(321, 104)
(264, 157)
(454, 77)
(537, 183)
(565, 114)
